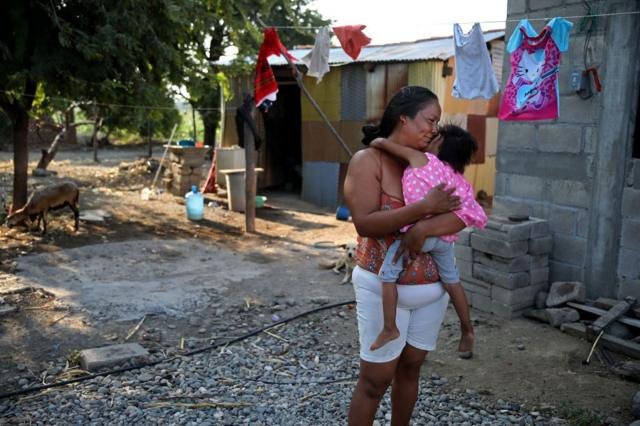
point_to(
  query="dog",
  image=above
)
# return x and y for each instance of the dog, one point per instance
(347, 261)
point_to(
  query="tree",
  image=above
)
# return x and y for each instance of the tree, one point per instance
(89, 50)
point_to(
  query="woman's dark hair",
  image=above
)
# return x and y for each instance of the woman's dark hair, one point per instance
(408, 101)
(458, 147)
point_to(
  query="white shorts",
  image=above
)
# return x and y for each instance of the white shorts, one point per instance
(419, 315)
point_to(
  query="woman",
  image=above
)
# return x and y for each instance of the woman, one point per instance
(373, 192)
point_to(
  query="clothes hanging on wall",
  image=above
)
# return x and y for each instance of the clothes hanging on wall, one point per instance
(531, 93)
(352, 39)
(317, 60)
(266, 87)
(474, 74)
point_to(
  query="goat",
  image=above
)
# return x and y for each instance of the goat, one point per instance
(52, 197)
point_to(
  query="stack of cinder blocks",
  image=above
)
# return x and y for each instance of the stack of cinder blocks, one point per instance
(185, 165)
(503, 266)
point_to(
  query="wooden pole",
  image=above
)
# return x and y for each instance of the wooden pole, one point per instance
(250, 184)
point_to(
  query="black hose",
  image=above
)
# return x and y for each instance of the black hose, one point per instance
(193, 352)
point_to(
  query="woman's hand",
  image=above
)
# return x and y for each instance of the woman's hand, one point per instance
(434, 145)
(411, 243)
(440, 200)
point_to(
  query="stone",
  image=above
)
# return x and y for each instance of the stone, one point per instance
(108, 356)
(542, 245)
(620, 331)
(541, 299)
(508, 249)
(503, 264)
(7, 309)
(510, 280)
(562, 292)
(558, 316)
(635, 405)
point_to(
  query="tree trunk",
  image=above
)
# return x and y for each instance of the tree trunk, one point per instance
(94, 139)
(20, 121)
(70, 131)
(47, 155)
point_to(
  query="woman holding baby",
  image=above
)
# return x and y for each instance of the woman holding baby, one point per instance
(374, 193)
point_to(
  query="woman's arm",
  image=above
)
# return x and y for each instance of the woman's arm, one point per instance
(362, 190)
(412, 156)
(435, 226)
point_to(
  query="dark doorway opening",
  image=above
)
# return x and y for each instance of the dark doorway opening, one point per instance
(283, 148)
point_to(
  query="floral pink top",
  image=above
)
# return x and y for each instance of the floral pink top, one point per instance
(418, 181)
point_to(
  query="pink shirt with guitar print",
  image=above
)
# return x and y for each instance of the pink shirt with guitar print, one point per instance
(531, 92)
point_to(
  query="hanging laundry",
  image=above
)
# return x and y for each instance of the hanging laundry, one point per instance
(266, 87)
(317, 61)
(474, 75)
(352, 39)
(531, 92)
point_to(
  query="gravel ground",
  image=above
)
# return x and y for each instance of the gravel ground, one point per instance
(299, 373)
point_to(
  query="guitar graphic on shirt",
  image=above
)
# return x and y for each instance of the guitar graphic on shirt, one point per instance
(527, 91)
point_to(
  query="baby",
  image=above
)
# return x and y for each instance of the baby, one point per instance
(424, 172)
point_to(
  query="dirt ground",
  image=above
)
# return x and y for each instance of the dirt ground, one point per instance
(520, 360)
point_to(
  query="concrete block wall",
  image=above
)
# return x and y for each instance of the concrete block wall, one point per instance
(551, 169)
(629, 259)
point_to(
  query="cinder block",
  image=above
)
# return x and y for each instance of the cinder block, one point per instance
(464, 267)
(562, 219)
(539, 275)
(504, 311)
(631, 203)
(516, 7)
(544, 4)
(629, 264)
(513, 135)
(508, 205)
(569, 249)
(539, 261)
(480, 302)
(473, 285)
(542, 245)
(569, 193)
(590, 136)
(550, 135)
(108, 356)
(464, 237)
(510, 280)
(547, 165)
(576, 110)
(517, 298)
(503, 264)
(509, 249)
(463, 252)
(539, 227)
(560, 271)
(526, 187)
(513, 231)
(582, 223)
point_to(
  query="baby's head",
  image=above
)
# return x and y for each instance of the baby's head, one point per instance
(457, 148)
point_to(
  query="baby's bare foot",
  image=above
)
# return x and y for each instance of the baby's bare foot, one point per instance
(385, 336)
(465, 348)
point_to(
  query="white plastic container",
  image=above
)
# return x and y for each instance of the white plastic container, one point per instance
(228, 158)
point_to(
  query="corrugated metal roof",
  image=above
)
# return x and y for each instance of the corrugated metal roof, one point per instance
(420, 50)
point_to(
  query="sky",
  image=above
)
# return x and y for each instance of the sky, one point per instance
(408, 20)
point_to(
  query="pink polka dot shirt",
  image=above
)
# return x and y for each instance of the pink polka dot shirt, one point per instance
(418, 181)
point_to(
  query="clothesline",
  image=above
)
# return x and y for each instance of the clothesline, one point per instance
(594, 15)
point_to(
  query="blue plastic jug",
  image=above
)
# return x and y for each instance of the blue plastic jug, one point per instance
(194, 201)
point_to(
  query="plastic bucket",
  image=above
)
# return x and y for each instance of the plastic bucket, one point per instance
(342, 213)
(260, 199)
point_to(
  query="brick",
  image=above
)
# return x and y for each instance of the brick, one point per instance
(590, 139)
(569, 193)
(464, 267)
(629, 264)
(569, 249)
(497, 247)
(503, 264)
(631, 203)
(511, 280)
(508, 205)
(513, 231)
(559, 271)
(539, 227)
(562, 220)
(517, 298)
(539, 275)
(516, 136)
(463, 252)
(476, 286)
(576, 110)
(548, 165)
(480, 302)
(109, 356)
(539, 261)
(522, 186)
(464, 237)
(560, 138)
(542, 245)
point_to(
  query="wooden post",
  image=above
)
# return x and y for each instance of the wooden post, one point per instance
(250, 184)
